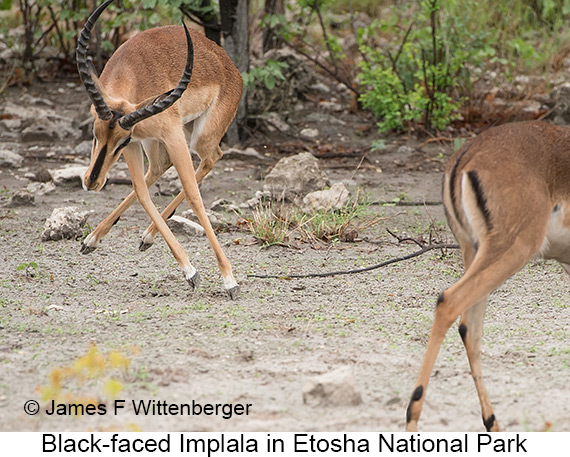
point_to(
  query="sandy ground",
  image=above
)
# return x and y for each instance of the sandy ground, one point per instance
(258, 350)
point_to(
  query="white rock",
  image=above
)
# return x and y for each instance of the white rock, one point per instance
(334, 198)
(41, 188)
(309, 133)
(275, 121)
(65, 223)
(336, 388)
(179, 224)
(294, 176)
(10, 159)
(169, 183)
(72, 174)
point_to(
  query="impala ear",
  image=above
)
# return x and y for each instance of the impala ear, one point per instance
(97, 82)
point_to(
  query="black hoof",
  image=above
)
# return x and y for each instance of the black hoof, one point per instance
(144, 246)
(233, 292)
(194, 281)
(86, 249)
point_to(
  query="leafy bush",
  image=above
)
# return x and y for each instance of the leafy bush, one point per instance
(415, 77)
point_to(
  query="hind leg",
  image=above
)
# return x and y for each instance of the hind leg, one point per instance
(493, 263)
(208, 157)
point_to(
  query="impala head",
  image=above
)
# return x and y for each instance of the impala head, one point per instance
(116, 118)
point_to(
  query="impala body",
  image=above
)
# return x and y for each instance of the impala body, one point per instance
(159, 86)
(506, 196)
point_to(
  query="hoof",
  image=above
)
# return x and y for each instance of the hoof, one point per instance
(233, 292)
(194, 280)
(143, 246)
(86, 249)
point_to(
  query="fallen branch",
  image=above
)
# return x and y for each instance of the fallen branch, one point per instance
(423, 250)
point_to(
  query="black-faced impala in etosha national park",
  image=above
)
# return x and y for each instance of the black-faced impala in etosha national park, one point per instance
(506, 196)
(200, 88)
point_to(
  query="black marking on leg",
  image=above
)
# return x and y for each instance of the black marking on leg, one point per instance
(556, 208)
(476, 246)
(117, 220)
(440, 299)
(480, 197)
(489, 422)
(418, 392)
(463, 331)
(171, 214)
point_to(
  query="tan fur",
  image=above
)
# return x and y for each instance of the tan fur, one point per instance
(523, 174)
(146, 66)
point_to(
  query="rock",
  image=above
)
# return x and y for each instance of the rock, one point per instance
(405, 150)
(560, 100)
(41, 188)
(185, 226)
(295, 176)
(73, 174)
(84, 148)
(22, 198)
(244, 154)
(334, 198)
(65, 223)
(275, 122)
(223, 204)
(42, 174)
(336, 388)
(214, 218)
(10, 159)
(45, 129)
(260, 198)
(320, 87)
(309, 134)
(169, 183)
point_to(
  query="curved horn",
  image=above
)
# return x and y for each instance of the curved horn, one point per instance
(85, 70)
(167, 99)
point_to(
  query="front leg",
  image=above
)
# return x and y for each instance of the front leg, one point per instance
(158, 164)
(134, 158)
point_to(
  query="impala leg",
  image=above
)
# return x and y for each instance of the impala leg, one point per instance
(180, 156)
(490, 268)
(134, 158)
(157, 166)
(207, 162)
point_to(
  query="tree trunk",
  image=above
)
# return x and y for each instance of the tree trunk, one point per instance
(235, 31)
(270, 40)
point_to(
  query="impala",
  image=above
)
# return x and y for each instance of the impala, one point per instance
(506, 196)
(138, 104)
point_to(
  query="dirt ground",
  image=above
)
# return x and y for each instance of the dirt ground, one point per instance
(201, 346)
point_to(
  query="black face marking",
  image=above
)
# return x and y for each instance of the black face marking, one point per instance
(418, 392)
(480, 196)
(440, 299)
(463, 331)
(489, 422)
(98, 164)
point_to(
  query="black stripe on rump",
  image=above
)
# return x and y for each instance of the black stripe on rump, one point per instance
(480, 196)
(452, 177)
(98, 164)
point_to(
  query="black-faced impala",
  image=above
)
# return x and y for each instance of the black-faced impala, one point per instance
(506, 196)
(158, 84)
